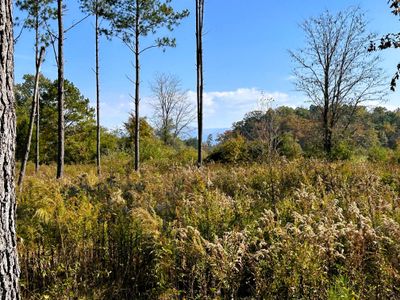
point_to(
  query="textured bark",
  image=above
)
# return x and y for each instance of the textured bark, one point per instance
(200, 80)
(98, 144)
(9, 270)
(32, 119)
(60, 91)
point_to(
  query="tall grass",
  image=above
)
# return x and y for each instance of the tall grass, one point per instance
(302, 229)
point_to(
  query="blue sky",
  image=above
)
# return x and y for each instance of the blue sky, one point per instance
(246, 47)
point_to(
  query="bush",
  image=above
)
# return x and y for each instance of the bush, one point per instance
(289, 147)
(378, 154)
(342, 150)
(231, 150)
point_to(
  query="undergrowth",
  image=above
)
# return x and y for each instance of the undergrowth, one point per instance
(302, 229)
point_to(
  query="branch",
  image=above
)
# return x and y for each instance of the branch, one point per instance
(20, 33)
(147, 48)
(75, 24)
(52, 41)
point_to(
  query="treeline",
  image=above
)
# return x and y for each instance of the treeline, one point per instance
(291, 132)
(365, 133)
(158, 142)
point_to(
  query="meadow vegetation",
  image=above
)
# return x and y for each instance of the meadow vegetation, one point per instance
(285, 229)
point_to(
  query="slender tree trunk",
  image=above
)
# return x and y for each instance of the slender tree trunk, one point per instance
(325, 114)
(9, 268)
(137, 86)
(200, 81)
(31, 119)
(60, 91)
(37, 157)
(37, 160)
(97, 94)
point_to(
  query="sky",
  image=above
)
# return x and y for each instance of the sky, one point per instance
(246, 46)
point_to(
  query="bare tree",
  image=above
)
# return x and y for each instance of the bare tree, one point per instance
(173, 112)
(200, 80)
(9, 269)
(335, 70)
(267, 129)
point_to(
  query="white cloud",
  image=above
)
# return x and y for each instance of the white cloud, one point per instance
(221, 108)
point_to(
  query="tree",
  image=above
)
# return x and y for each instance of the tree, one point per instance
(390, 40)
(146, 131)
(97, 8)
(31, 120)
(335, 70)
(9, 269)
(133, 20)
(60, 91)
(39, 13)
(173, 112)
(200, 80)
(59, 57)
(80, 123)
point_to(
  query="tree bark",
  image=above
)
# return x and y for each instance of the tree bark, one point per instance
(137, 86)
(60, 91)
(9, 269)
(200, 81)
(31, 119)
(98, 145)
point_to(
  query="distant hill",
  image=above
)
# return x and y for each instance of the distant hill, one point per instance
(215, 132)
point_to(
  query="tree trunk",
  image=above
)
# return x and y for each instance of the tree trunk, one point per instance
(200, 81)
(9, 269)
(37, 159)
(60, 91)
(97, 94)
(31, 119)
(137, 78)
(327, 109)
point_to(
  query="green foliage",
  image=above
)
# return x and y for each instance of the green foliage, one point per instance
(231, 150)
(341, 290)
(142, 18)
(80, 125)
(378, 154)
(38, 13)
(145, 129)
(289, 147)
(297, 132)
(342, 150)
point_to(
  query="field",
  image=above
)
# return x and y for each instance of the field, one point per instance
(300, 229)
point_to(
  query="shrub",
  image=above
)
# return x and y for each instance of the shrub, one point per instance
(342, 150)
(289, 147)
(231, 150)
(378, 154)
